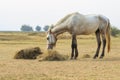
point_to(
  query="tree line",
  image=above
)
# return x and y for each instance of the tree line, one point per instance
(28, 28)
(115, 31)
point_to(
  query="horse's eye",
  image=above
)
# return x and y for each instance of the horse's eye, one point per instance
(47, 38)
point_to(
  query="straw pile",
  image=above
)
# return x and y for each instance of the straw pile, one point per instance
(29, 53)
(86, 56)
(52, 55)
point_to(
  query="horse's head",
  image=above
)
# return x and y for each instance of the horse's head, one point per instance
(51, 39)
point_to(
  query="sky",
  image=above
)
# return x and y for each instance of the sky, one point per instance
(15, 13)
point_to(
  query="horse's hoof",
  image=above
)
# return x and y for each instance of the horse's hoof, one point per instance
(101, 57)
(95, 57)
(75, 58)
(71, 58)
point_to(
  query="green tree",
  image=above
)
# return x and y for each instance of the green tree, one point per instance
(46, 28)
(114, 31)
(38, 28)
(26, 28)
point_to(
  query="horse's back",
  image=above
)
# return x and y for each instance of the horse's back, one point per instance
(83, 24)
(76, 23)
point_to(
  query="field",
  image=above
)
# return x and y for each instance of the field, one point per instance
(107, 68)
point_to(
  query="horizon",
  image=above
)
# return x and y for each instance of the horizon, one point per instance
(15, 13)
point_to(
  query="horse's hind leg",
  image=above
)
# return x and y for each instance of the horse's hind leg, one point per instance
(104, 45)
(97, 33)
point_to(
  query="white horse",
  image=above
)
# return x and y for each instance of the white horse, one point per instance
(78, 24)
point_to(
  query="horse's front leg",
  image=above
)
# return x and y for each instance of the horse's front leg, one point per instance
(76, 52)
(74, 47)
(72, 53)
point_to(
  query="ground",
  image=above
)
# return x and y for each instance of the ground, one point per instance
(107, 68)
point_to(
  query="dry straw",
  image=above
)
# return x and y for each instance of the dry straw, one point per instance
(52, 55)
(86, 56)
(28, 53)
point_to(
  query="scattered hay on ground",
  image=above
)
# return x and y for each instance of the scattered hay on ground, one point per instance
(86, 56)
(52, 55)
(29, 53)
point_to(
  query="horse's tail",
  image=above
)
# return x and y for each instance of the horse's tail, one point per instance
(108, 36)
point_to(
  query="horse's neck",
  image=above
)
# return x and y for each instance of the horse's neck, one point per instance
(59, 29)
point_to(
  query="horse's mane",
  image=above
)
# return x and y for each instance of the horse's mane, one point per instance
(64, 19)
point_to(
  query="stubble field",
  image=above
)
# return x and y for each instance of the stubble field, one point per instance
(107, 68)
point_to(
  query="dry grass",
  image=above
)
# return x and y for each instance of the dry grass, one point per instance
(107, 68)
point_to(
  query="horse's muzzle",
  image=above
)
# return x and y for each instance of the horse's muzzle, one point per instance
(50, 46)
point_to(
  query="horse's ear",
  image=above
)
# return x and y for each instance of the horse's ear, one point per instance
(50, 27)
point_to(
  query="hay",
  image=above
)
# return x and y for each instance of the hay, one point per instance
(29, 53)
(52, 55)
(86, 56)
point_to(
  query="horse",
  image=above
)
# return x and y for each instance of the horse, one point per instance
(79, 24)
